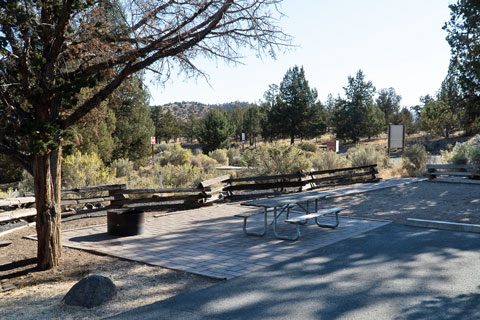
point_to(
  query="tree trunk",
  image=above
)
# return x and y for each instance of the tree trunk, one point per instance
(47, 180)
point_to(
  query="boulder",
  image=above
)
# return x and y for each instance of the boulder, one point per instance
(91, 291)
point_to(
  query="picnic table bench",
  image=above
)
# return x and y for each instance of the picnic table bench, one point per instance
(286, 204)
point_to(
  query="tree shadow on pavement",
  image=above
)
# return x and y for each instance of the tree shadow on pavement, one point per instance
(382, 274)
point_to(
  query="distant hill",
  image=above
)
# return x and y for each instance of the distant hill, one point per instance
(182, 110)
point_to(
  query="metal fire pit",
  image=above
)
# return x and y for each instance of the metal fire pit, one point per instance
(125, 222)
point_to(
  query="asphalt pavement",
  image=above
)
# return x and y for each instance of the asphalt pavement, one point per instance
(393, 272)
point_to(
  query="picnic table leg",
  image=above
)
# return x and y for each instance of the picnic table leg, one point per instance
(294, 238)
(258, 234)
(330, 226)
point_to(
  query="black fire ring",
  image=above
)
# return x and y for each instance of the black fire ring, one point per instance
(125, 222)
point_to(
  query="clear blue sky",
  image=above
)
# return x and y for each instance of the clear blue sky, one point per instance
(397, 44)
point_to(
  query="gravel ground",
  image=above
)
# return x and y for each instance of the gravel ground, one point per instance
(424, 200)
(39, 294)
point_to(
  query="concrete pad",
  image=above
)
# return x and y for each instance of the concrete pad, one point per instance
(210, 241)
(456, 180)
(444, 225)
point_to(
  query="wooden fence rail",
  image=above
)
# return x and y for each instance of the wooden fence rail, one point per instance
(104, 197)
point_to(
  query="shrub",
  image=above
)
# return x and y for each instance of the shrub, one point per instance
(26, 183)
(10, 193)
(308, 146)
(197, 151)
(122, 167)
(328, 160)
(462, 153)
(175, 155)
(141, 179)
(204, 162)
(185, 175)
(248, 158)
(475, 155)
(235, 158)
(363, 155)
(85, 170)
(220, 155)
(415, 160)
(272, 159)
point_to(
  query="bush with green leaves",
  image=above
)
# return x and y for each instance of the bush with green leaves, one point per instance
(328, 160)
(121, 167)
(220, 155)
(80, 170)
(143, 178)
(475, 155)
(10, 193)
(462, 153)
(248, 158)
(308, 146)
(415, 160)
(363, 155)
(235, 157)
(185, 175)
(204, 162)
(274, 158)
(26, 183)
(175, 155)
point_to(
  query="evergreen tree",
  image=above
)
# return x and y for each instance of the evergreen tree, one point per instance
(329, 111)
(438, 117)
(167, 126)
(236, 117)
(376, 121)
(252, 123)
(291, 110)
(463, 36)
(215, 131)
(134, 126)
(190, 127)
(405, 117)
(94, 133)
(315, 124)
(351, 114)
(389, 102)
(267, 121)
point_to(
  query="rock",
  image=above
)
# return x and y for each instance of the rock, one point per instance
(91, 291)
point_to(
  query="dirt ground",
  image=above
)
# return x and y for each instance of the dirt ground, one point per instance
(38, 294)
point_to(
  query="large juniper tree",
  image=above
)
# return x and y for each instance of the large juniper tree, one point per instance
(52, 52)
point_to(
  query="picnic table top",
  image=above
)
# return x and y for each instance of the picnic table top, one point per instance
(288, 199)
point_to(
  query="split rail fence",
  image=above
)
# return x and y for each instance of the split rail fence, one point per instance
(98, 198)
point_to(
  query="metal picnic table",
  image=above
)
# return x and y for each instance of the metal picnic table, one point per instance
(284, 204)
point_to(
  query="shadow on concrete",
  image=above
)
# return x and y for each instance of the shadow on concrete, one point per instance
(394, 272)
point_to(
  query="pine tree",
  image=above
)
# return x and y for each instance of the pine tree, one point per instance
(215, 131)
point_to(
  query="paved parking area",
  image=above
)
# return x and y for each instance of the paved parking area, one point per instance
(209, 241)
(394, 272)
